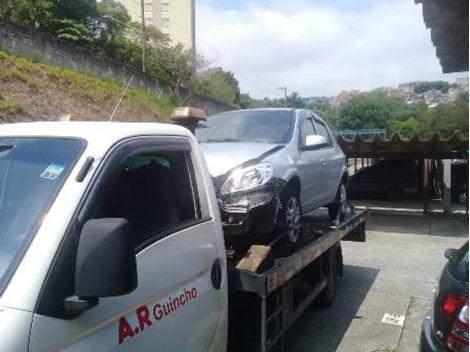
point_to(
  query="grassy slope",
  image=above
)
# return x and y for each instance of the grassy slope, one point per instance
(35, 91)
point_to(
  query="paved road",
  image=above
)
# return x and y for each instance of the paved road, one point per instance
(393, 272)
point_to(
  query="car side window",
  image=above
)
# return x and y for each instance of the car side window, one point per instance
(306, 129)
(154, 192)
(323, 131)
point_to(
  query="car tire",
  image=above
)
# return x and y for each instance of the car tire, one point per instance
(463, 197)
(290, 215)
(339, 205)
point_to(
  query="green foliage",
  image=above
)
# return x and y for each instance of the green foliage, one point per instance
(445, 119)
(10, 107)
(78, 10)
(327, 112)
(221, 85)
(28, 13)
(245, 101)
(82, 87)
(406, 128)
(375, 109)
(110, 20)
(294, 100)
(171, 64)
(106, 28)
(422, 87)
(72, 31)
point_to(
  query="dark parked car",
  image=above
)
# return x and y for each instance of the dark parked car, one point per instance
(459, 176)
(387, 178)
(445, 328)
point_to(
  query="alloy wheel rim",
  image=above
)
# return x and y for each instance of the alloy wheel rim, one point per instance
(293, 219)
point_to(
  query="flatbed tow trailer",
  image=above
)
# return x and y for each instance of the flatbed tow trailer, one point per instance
(296, 278)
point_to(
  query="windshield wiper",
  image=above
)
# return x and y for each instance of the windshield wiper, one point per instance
(222, 140)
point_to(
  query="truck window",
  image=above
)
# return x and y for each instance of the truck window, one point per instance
(32, 170)
(154, 192)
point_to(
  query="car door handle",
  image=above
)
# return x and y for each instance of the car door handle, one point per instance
(322, 161)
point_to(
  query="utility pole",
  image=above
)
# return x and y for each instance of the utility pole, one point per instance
(285, 94)
(143, 34)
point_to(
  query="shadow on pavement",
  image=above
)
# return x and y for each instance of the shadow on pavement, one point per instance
(323, 329)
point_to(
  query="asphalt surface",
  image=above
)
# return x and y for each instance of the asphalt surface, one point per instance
(393, 272)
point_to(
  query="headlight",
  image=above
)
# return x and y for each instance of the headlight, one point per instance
(247, 178)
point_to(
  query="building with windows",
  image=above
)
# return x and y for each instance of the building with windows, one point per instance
(176, 18)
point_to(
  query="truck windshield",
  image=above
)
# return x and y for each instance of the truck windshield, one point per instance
(32, 171)
(255, 126)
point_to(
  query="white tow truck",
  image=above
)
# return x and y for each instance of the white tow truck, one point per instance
(110, 240)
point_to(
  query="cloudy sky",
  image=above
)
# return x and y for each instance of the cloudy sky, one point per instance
(317, 47)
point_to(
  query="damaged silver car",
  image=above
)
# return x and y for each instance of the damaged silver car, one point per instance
(270, 166)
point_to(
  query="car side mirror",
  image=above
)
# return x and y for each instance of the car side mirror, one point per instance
(105, 264)
(450, 253)
(313, 141)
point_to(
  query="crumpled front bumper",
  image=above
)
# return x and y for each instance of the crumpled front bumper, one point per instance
(254, 211)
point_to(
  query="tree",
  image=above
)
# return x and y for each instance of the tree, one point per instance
(406, 128)
(294, 101)
(79, 10)
(375, 109)
(71, 31)
(173, 65)
(221, 85)
(27, 13)
(110, 20)
(445, 119)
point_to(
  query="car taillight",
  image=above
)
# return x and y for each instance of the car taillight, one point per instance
(455, 308)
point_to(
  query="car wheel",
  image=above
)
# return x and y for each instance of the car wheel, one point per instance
(463, 197)
(338, 209)
(291, 215)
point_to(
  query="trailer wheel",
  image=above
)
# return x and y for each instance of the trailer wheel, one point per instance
(328, 294)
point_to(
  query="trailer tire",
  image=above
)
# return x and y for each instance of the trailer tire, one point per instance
(327, 296)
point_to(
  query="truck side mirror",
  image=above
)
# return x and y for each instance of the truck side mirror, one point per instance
(313, 141)
(450, 253)
(105, 264)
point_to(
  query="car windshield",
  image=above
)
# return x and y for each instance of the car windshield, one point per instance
(32, 171)
(248, 126)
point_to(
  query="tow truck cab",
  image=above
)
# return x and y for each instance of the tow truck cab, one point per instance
(110, 239)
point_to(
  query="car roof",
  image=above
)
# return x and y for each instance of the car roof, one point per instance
(104, 133)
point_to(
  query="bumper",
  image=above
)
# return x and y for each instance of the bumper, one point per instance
(251, 212)
(429, 341)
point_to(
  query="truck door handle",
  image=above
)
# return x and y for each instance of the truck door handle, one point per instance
(216, 274)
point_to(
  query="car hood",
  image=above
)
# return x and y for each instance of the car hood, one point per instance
(19, 321)
(221, 157)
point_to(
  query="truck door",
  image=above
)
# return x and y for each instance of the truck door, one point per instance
(179, 303)
(310, 167)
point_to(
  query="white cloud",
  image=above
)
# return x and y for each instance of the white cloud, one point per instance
(318, 49)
